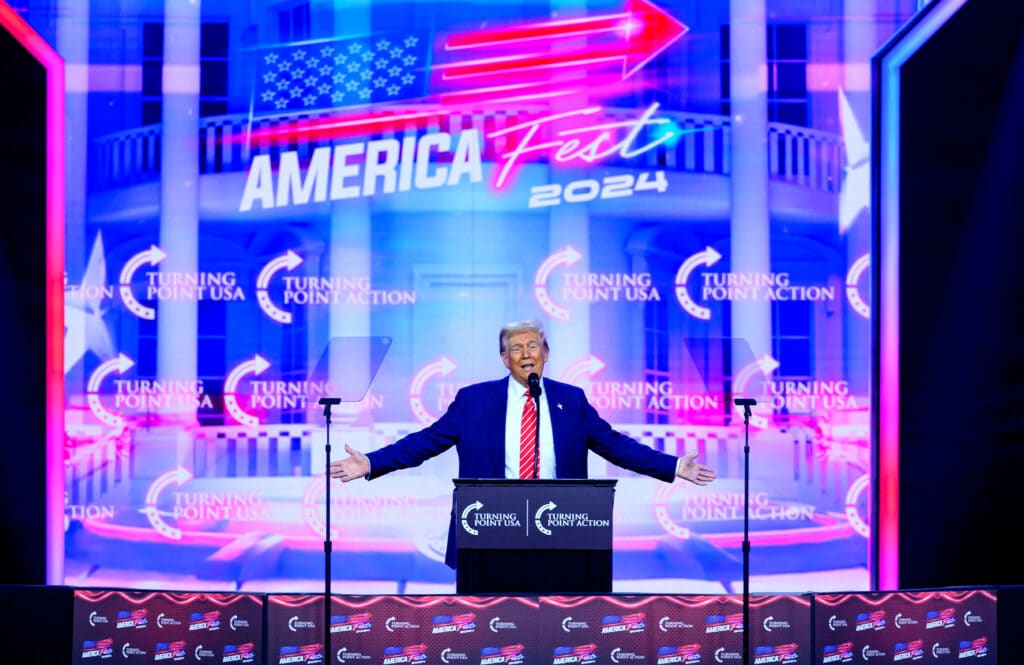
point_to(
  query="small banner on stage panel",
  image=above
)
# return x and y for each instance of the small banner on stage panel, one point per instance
(936, 626)
(146, 627)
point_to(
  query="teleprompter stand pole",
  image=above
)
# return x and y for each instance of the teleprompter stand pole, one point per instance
(327, 403)
(746, 403)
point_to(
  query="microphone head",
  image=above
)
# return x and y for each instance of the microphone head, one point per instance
(534, 381)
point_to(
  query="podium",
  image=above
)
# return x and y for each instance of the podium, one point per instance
(533, 536)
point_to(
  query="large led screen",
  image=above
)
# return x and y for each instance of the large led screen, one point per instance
(274, 202)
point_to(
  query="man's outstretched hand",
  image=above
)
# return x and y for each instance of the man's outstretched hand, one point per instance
(356, 465)
(689, 469)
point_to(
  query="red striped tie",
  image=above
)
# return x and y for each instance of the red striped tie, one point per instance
(527, 438)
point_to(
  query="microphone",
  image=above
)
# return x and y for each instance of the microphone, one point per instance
(534, 381)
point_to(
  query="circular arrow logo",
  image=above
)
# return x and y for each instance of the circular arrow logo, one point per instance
(152, 256)
(662, 499)
(566, 257)
(538, 517)
(288, 261)
(120, 364)
(464, 518)
(256, 366)
(858, 268)
(179, 477)
(443, 366)
(853, 516)
(764, 366)
(707, 258)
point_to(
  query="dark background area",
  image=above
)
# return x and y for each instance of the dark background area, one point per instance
(22, 330)
(961, 276)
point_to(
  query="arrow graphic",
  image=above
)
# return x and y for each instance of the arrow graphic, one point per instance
(256, 366)
(852, 292)
(586, 367)
(635, 36)
(288, 261)
(488, 69)
(567, 256)
(464, 518)
(707, 258)
(537, 521)
(120, 364)
(764, 365)
(179, 477)
(152, 256)
(443, 366)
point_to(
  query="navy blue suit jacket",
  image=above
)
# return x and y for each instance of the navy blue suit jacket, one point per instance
(475, 424)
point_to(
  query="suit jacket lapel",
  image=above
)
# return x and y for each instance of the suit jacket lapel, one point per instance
(493, 412)
(556, 400)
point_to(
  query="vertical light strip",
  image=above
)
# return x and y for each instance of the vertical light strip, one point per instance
(54, 66)
(888, 307)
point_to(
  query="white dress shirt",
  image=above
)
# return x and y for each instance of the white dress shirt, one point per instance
(517, 396)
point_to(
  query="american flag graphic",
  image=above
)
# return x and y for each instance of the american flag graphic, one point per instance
(338, 73)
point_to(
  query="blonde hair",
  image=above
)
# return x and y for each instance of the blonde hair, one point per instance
(518, 327)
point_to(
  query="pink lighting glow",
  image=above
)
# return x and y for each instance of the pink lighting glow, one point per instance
(54, 66)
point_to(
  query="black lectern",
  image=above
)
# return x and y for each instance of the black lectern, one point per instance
(533, 536)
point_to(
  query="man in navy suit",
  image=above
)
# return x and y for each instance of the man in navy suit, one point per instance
(484, 414)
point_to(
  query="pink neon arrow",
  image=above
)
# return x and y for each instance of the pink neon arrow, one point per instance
(588, 366)
(642, 30)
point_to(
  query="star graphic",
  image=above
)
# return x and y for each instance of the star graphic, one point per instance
(84, 328)
(855, 196)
